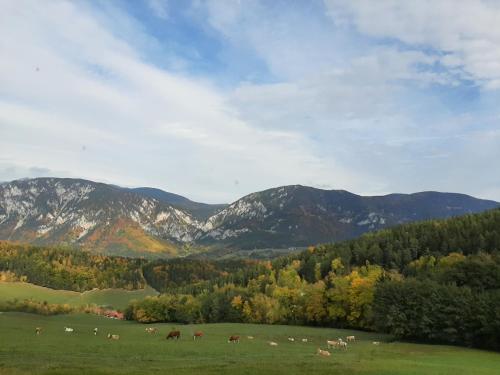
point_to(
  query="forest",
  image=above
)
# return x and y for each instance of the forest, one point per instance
(62, 268)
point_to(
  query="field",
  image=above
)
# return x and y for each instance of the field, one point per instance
(56, 352)
(117, 298)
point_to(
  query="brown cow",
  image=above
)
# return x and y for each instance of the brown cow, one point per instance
(235, 339)
(174, 335)
(197, 335)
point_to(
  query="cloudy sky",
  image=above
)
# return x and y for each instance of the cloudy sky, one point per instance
(217, 99)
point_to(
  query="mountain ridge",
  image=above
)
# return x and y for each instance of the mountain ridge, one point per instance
(111, 219)
(200, 210)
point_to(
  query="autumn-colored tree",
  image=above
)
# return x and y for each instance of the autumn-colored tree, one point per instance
(315, 307)
(265, 309)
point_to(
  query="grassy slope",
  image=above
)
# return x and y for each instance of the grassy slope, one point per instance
(118, 298)
(55, 352)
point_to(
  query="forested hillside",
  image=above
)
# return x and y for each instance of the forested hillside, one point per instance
(194, 276)
(60, 268)
(395, 248)
(435, 281)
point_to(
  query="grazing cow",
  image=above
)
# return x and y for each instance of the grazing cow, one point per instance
(332, 343)
(291, 339)
(376, 343)
(113, 337)
(38, 330)
(250, 337)
(174, 335)
(350, 338)
(342, 345)
(272, 343)
(95, 331)
(197, 335)
(324, 353)
(235, 339)
(304, 340)
(67, 329)
(152, 330)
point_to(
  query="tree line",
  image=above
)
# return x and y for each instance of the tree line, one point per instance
(61, 268)
(36, 307)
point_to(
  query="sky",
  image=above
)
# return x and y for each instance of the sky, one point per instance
(217, 99)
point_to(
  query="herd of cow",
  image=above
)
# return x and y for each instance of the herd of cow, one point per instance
(176, 335)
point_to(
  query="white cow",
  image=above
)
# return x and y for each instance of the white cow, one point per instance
(291, 339)
(68, 329)
(350, 338)
(341, 344)
(304, 340)
(272, 343)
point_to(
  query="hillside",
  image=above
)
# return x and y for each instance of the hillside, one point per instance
(114, 220)
(301, 216)
(391, 249)
(434, 281)
(60, 268)
(92, 215)
(113, 298)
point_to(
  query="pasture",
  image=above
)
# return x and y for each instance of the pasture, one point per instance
(137, 352)
(116, 298)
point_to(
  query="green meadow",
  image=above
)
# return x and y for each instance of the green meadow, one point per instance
(116, 298)
(137, 352)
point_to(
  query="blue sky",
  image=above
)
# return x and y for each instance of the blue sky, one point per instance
(217, 99)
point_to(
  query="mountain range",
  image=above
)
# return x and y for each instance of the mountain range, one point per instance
(130, 221)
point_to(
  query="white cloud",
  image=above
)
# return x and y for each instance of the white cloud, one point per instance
(374, 103)
(69, 84)
(466, 32)
(78, 97)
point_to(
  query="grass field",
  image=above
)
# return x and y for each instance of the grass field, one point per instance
(117, 298)
(57, 352)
